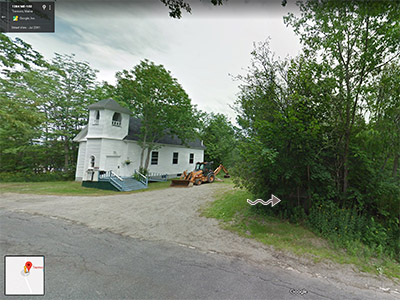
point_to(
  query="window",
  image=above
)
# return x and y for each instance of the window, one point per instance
(154, 158)
(97, 117)
(116, 120)
(191, 158)
(175, 158)
(199, 166)
(92, 161)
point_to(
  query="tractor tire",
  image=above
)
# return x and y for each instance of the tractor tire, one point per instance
(198, 181)
(210, 178)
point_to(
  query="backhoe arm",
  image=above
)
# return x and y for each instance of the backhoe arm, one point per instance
(221, 167)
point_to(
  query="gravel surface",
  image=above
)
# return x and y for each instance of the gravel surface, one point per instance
(173, 215)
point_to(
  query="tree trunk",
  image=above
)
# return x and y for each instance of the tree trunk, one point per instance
(148, 158)
(66, 154)
(143, 149)
(395, 165)
(298, 196)
(345, 166)
(308, 206)
(384, 163)
(142, 157)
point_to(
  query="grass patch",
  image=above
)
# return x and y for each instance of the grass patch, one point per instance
(237, 215)
(71, 188)
(224, 180)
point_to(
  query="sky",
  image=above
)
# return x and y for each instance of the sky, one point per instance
(202, 49)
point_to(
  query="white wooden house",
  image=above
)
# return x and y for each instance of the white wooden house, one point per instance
(109, 143)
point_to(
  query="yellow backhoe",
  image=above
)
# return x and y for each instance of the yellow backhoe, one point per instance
(202, 173)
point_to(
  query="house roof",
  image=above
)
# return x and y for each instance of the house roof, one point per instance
(111, 105)
(81, 135)
(134, 133)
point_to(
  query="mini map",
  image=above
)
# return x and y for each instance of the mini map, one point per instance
(24, 275)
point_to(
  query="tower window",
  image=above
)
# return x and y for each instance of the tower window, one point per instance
(116, 120)
(97, 118)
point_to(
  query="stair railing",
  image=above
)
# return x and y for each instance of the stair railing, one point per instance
(115, 179)
(140, 177)
(112, 174)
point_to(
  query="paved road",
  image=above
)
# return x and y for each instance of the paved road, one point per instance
(83, 263)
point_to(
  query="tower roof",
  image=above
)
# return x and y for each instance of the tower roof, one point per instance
(110, 104)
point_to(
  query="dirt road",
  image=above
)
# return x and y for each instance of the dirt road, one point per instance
(173, 215)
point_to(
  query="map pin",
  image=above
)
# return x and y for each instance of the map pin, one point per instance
(28, 265)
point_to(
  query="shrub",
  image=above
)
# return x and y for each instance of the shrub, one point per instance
(36, 177)
(348, 226)
(143, 171)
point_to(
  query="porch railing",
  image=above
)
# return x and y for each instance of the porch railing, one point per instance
(109, 174)
(157, 176)
(116, 123)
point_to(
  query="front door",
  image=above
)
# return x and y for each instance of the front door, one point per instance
(112, 164)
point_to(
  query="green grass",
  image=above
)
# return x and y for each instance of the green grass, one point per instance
(224, 180)
(72, 188)
(236, 215)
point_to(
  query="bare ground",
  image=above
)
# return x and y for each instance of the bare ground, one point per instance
(173, 215)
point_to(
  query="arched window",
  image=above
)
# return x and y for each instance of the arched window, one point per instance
(92, 161)
(116, 120)
(97, 115)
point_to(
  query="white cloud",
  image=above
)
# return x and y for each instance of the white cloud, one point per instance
(200, 49)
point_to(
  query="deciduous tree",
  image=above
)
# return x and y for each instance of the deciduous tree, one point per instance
(218, 135)
(160, 102)
(353, 40)
(20, 118)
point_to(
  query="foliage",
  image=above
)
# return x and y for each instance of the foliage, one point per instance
(17, 53)
(218, 135)
(143, 171)
(44, 105)
(282, 137)
(235, 214)
(160, 102)
(20, 118)
(345, 226)
(384, 103)
(176, 6)
(323, 128)
(72, 87)
(353, 40)
(27, 176)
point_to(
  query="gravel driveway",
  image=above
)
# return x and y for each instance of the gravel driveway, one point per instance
(173, 215)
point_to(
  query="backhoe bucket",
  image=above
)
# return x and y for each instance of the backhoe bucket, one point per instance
(181, 183)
